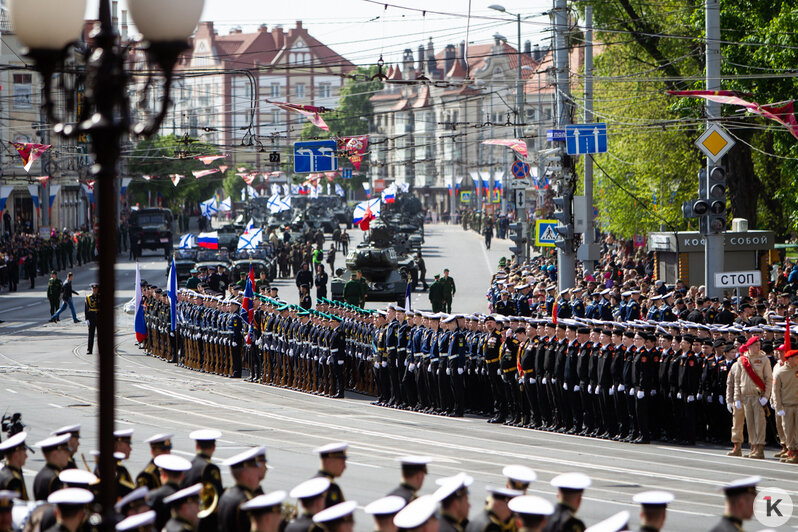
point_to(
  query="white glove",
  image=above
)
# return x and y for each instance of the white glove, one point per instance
(621, 387)
(598, 388)
(576, 387)
(652, 393)
(709, 398)
(589, 388)
(565, 387)
(631, 391)
(545, 380)
(499, 372)
(340, 362)
(679, 395)
(553, 380)
(448, 371)
(738, 405)
(460, 371)
(690, 398)
(384, 364)
(377, 365)
(411, 367)
(729, 408)
(698, 396)
(532, 380)
(763, 401)
(235, 344)
(612, 390)
(721, 400)
(641, 394)
(781, 413)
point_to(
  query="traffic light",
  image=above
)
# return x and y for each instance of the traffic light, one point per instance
(716, 195)
(518, 234)
(565, 229)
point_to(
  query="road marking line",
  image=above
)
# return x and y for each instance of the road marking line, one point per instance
(350, 462)
(55, 405)
(12, 309)
(10, 390)
(20, 325)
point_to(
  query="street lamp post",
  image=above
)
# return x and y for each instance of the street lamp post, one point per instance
(48, 28)
(519, 87)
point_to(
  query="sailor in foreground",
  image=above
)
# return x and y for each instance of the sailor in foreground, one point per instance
(74, 442)
(519, 477)
(56, 455)
(184, 507)
(570, 487)
(133, 503)
(6, 505)
(204, 471)
(455, 506)
(142, 522)
(384, 510)
(333, 464)
(530, 512)
(71, 506)
(150, 476)
(496, 516)
(265, 511)
(337, 518)
(70, 478)
(15, 453)
(311, 496)
(653, 507)
(173, 469)
(414, 471)
(418, 516)
(122, 444)
(740, 495)
(246, 473)
(614, 523)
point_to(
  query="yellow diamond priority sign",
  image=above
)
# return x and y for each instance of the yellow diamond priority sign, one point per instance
(715, 142)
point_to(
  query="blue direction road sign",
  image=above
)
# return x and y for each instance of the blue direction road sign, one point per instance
(586, 138)
(555, 135)
(315, 156)
(346, 173)
(520, 169)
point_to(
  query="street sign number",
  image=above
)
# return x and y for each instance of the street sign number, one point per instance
(315, 156)
(738, 279)
(520, 169)
(545, 235)
(586, 138)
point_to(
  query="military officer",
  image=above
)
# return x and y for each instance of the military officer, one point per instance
(419, 515)
(122, 444)
(653, 507)
(414, 471)
(142, 522)
(184, 507)
(91, 310)
(71, 508)
(246, 473)
(150, 476)
(333, 464)
(383, 511)
(56, 454)
(205, 472)
(265, 511)
(173, 470)
(519, 477)
(133, 503)
(530, 512)
(337, 518)
(496, 516)
(740, 495)
(570, 487)
(311, 497)
(74, 442)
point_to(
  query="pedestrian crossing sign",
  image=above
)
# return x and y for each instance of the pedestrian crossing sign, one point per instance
(545, 235)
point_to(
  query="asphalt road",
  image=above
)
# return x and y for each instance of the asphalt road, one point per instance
(45, 375)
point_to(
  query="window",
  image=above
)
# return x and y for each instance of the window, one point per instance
(275, 90)
(325, 90)
(547, 113)
(300, 90)
(530, 114)
(23, 93)
(275, 117)
(497, 72)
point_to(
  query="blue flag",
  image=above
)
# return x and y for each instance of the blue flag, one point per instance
(171, 291)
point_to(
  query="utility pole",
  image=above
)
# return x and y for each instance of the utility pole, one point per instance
(566, 260)
(714, 241)
(586, 253)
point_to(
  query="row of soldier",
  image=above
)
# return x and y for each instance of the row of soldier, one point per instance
(632, 382)
(174, 494)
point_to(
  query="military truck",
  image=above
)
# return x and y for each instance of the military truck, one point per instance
(153, 228)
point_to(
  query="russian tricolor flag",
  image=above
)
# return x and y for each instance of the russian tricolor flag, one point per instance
(138, 322)
(247, 305)
(389, 194)
(208, 240)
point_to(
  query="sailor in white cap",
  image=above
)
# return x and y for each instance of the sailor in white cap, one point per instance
(570, 487)
(246, 473)
(263, 467)
(653, 507)
(71, 507)
(414, 470)
(530, 512)
(337, 518)
(122, 444)
(311, 496)
(614, 523)
(74, 442)
(265, 511)
(204, 471)
(496, 515)
(150, 476)
(133, 503)
(740, 495)
(519, 477)
(333, 464)
(56, 456)
(141, 522)
(383, 510)
(70, 478)
(15, 454)
(455, 506)
(418, 516)
(184, 508)
(173, 468)
(6, 505)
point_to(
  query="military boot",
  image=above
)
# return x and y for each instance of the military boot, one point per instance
(758, 452)
(736, 450)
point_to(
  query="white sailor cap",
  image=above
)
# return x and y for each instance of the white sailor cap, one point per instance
(463, 478)
(653, 498)
(451, 318)
(741, 484)
(571, 481)
(530, 505)
(389, 505)
(451, 485)
(53, 441)
(416, 513)
(263, 502)
(626, 294)
(338, 449)
(123, 434)
(565, 291)
(605, 292)
(205, 435)
(17, 440)
(68, 429)
(414, 460)
(71, 496)
(185, 493)
(336, 512)
(614, 523)
(138, 494)
(134, 522)
(172, 462)
(240, 458)
(163, 439)
(310, 488)
(78, 477)
(519, 473)
(118, 455)
(501, 491)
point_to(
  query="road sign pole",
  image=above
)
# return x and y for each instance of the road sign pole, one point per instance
(589, 235)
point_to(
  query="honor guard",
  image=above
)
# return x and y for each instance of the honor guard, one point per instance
(151, 475)
(414, 471)
(419, 515)
(183, 507)
(496, 516)
(15, 454)
(173, 470)
(384, 510)
(311, 497)
(265, 511)
(206, 472)
(71, 507)
(74, 442)
(740, 496)
(337, 518)
(56, 454)
(142, 522)
(91, 310)
(122, 444)
(246, 473)
(653, 507)
(530, 512)
(570, 487)
(333, 464)
(70, 478)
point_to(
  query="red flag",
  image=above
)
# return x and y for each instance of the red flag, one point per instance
(42, 180)
(517, 145)
(29, 152)
(312, 113)
(367, 217)
(354, 148)
(208, 159)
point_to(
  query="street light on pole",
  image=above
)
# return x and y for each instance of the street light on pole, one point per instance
(47, 28)
(519, 89)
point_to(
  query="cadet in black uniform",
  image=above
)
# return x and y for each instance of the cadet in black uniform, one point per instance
(71, 508)
(414, 470)
(124, 482)
(246, 473)
(265, 511)
(653, 507)
(205, 472)
(74, 442)
(16, 454)
(91, 309)
(56, 454)
(150, 476)
(333, 464)
(183, 507)
(173, 470)
(311, 497)
(570, 487)
(740, 495)
(496, 516)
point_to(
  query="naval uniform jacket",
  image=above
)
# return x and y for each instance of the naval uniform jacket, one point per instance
(563, 520)
(46, 482)
(231, 518)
